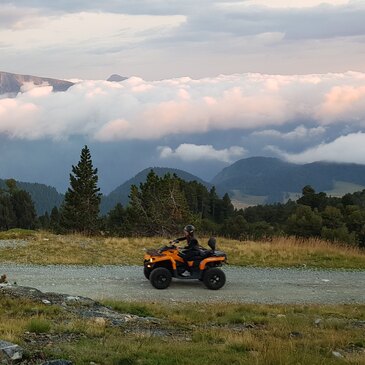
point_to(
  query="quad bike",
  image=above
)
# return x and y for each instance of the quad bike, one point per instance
(161, 265)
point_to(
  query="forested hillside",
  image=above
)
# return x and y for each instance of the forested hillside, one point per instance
(121, 193)
(45, 197)
(275, 181)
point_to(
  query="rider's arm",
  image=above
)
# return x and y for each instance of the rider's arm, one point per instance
(177, 240)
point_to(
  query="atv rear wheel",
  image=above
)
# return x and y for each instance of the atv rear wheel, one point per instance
(147, 272)
(214, 278)
(160, 278)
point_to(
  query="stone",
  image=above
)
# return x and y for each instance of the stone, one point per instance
(58, 362)
(337, 354)
(10, 352)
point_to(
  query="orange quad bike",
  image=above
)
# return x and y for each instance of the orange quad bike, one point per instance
(165, 263)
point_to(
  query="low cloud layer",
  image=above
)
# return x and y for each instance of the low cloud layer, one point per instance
(190, 152)
(349, 148)
(300, 132)
(137, 109)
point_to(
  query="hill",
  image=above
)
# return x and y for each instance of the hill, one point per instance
(44, 197)
(11, 83)
(116, 78)
(121, 193)
(259, 180)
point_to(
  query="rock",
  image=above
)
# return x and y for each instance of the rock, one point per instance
(71, 298)
(317, 322)
(358, 324)
(295, 334)
(3, 279)
(45, 301)
(337, 354)
(10, 352)
(58, 362)
(281, 316)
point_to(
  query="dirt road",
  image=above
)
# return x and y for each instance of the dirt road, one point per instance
(244, 285)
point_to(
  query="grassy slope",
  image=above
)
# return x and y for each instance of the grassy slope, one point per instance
(46, 248)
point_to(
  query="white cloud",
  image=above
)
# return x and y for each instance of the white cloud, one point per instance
(138, 109)
(349, 148)
(300, 132)
(192, 152)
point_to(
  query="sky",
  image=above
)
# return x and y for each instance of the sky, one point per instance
(210, 82)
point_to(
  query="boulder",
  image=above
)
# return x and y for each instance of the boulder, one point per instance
(10, 352)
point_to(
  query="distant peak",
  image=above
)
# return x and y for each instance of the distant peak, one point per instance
(116, 78)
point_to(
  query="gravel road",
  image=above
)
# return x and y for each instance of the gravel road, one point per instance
(244, 285)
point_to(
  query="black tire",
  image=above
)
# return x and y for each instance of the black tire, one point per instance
(147, 272)
(160, 278)
(214, 278)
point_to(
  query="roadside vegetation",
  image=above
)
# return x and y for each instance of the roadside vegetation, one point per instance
(40, 247)
(204, 334)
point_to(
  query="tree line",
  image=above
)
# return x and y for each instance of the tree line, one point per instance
(163, 205)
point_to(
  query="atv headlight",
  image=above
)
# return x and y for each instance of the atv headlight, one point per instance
(151, 259)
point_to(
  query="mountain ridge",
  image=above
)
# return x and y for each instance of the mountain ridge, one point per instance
(250, 181)
(11, 83)
(276, 179)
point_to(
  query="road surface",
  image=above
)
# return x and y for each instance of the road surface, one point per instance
(244, 285)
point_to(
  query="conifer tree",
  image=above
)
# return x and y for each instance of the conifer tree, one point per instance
(16, 208)
(81, 206)
(158, 206)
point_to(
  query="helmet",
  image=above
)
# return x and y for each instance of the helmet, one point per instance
(189, 229)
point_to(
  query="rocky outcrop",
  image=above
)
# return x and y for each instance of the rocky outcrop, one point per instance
(80, 306)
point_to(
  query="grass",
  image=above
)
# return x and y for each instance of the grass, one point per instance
(46, 248)
(200, 334)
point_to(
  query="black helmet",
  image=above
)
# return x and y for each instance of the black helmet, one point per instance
(189, 228)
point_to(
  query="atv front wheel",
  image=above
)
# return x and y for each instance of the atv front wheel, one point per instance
(160, 278)
(214, 278)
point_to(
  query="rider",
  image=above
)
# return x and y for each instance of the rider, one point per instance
(191, 251)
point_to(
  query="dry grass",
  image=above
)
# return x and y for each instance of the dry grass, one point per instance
(290, 251)
(208, 334)
(47, 248)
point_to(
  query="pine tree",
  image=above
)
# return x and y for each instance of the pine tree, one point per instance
(16, 208)
(81, 206)
(54, 220)
(158, 206)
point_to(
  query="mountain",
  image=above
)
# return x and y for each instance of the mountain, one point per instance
(11, 83)
(116, 78)
(121, 193)
(45, 197)
(259, 180)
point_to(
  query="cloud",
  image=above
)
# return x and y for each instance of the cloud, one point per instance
(159, 39)
(139, 109)
(14, 17)
(300, 132)
(192, 152)
(349, 148)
